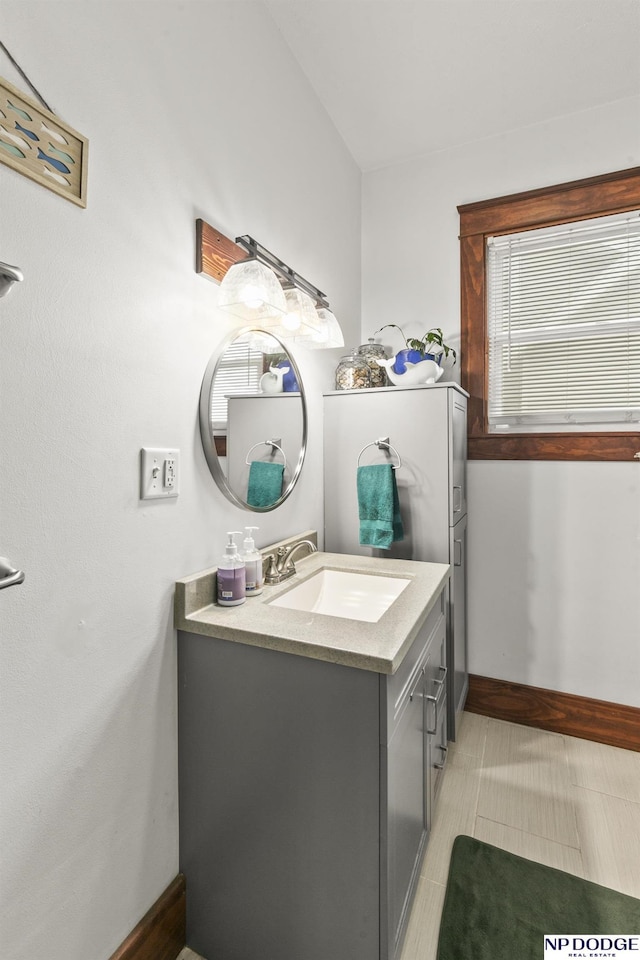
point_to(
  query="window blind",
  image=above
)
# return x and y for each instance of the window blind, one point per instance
(238, 371)
(563, 327)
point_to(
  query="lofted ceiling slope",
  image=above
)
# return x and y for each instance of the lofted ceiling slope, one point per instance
(403, 78)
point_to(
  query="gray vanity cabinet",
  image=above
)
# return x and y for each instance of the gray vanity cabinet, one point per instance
(305, 797)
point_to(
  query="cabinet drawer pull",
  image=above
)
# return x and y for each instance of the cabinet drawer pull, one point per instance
(434, 701)
(440, 766)
(437, 700)
(441, 684)
(457, 553)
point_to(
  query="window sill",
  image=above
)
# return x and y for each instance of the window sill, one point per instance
(554, 446)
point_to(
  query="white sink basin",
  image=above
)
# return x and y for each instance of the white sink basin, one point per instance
(338, 593)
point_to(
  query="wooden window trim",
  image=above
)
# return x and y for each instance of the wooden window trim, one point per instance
(545, 207)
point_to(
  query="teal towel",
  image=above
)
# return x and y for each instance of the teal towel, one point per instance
(379, 506)
(265, 483)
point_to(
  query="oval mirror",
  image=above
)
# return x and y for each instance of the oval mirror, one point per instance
(253, 420)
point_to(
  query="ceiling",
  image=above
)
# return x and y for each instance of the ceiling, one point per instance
(404, 78)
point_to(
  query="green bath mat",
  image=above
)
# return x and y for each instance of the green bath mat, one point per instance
(499, 906)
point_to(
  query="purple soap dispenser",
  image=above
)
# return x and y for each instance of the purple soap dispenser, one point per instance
(231, 574)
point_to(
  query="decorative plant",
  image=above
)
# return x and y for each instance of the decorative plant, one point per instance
(431, 342)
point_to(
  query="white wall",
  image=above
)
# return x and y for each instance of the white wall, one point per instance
(191, 110)
(554, 548)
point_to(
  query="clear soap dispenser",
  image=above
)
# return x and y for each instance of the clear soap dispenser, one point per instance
(253, 563)
(231, 574)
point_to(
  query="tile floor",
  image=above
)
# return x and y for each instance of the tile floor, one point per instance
(569, 803)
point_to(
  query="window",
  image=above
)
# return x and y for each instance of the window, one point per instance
(238, 372)
(551, 321)
(564, 326)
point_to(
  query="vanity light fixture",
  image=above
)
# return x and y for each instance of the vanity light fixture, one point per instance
(251, 291)
(301, 319)
(263, 290)
(328, 334)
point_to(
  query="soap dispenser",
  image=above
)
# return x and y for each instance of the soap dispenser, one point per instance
(253, 563)
(231, 575)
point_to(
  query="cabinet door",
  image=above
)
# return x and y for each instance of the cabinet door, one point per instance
(407, 807)
(458, 456)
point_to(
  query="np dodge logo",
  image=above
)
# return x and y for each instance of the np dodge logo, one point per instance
(611, 945)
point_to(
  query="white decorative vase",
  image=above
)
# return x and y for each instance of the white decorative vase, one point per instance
(426, 371)
(272, 382)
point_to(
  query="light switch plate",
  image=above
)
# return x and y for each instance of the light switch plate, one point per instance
(159, 473)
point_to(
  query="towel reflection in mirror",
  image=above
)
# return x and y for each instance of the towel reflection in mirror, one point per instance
(265, 483)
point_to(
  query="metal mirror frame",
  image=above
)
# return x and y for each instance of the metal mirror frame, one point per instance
(208, 443)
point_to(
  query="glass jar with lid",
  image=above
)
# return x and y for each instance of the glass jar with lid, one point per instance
(353, 372)
(372, 352)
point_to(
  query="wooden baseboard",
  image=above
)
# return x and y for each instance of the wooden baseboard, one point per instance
(161, 934)
(599, 720)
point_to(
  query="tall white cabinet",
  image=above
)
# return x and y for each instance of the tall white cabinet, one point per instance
(427, 429)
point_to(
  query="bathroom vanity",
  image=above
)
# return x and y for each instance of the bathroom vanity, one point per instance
(310, 750)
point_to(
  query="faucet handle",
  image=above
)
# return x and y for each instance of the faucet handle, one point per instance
(270, 569)
(284, 563)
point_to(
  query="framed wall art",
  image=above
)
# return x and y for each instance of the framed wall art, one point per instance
(36, 143)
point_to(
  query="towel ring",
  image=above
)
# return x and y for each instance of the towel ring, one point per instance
(382, 444)
(268, 443)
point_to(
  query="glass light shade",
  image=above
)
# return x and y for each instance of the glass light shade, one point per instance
(327, 334)
(301, 318)
(251, 291)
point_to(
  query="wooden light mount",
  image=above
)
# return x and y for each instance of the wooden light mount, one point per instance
(215, 253)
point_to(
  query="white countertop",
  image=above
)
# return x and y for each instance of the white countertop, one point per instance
(378, 646)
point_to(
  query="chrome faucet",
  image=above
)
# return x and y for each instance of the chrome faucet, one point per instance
(280, 566)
